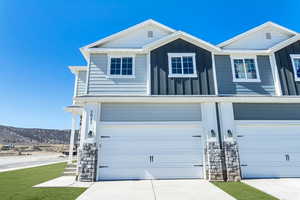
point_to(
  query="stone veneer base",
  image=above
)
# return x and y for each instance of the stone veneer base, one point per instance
(87, 166)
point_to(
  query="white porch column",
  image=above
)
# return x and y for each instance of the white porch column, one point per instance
(72, 138)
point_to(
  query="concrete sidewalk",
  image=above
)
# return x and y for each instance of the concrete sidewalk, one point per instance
(154, 190)
(283, 188)
(64, 181)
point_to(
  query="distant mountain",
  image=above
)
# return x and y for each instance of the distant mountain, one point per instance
(15, 135)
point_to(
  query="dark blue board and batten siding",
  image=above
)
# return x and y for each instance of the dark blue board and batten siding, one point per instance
(285, 69)
(226, 86)
(161, 84)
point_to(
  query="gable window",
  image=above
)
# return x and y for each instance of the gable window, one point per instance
(296, 65)
(121, 66)
(182, 65)
(244, 69)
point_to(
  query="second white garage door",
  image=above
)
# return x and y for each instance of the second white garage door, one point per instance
(154, 151)
(269, 149)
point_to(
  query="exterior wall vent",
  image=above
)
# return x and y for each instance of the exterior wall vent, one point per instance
(268, 36)
(150, 34)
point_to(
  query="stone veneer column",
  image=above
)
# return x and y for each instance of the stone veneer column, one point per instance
(232, 160)
(87, 166)
(214, 161)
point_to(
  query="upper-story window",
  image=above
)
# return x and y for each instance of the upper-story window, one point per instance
(182, 65)
(244, 69)
(296, 65)
(121, 66)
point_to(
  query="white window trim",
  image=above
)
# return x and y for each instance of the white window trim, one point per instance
(121, 76)
(193, 55)
(294, 67)
(234, 79)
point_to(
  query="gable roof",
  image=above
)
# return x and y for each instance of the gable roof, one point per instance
(285, 43)
(183, 35)
(174, 34)
(128, 30)
(253, 30)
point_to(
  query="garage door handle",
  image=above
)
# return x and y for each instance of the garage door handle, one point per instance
(197, 136)
(239, 136)
(151, 159)
(105, 136)
(102, 166)
(198, 165)
(244, 165)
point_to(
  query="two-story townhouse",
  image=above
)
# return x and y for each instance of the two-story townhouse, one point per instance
(157, 103)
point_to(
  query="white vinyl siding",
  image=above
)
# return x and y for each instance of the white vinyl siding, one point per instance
(150, 112)
(99, 83)
(80, 83)
(258, 41)
(137, 38)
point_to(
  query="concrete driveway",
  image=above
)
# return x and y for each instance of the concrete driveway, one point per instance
(284, 189)
(154, 190)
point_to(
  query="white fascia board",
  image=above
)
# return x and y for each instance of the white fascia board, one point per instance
(82, 100)
(183, 35)
(130, 29)
(85, 54)
(74, 109)
(285, 43)
(76, 69)
(255, 29)
(244, 52)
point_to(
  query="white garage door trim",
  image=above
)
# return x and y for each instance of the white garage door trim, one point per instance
(166, 165)
(269, 149)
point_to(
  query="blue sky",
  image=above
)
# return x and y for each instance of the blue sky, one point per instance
(40, 38)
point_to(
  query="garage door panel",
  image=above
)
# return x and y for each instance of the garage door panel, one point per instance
(125, 173)
(188, 159)
(269, 150)
(176, 172)
(126, 152)
(262, 157)
(270, 172)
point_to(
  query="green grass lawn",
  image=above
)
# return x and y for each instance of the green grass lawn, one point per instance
(242, 191)
(17, 185)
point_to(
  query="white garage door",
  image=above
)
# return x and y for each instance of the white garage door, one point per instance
(150, 151)
(269, 149)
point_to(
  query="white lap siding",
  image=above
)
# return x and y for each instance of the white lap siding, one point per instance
(99, 83)
(81, 83)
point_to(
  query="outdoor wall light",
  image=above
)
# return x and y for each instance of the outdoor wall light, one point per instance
(213, 133)
(229, 133)
(90, 134)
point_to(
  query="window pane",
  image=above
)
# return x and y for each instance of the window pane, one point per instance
(250, 68)
(239, 70)
(176, 65)
(115, 66)
(187, 62)
(127, 66)
(297, 66)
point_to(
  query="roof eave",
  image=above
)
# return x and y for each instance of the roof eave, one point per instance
(253, 30)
